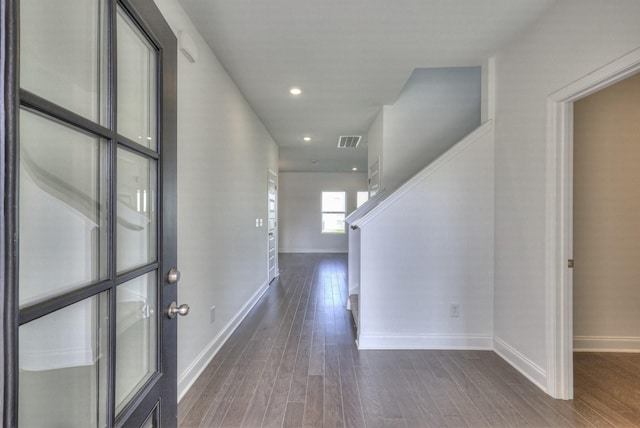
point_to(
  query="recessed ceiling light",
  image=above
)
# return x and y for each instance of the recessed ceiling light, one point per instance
(295, 91)
(307, 138)
(354, 169)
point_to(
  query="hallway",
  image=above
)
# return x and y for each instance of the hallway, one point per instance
(293, 362)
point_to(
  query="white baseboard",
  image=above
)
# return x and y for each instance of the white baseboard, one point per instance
(195, 369)
(314, 250)
(468, 342)
(528, 368)
(606, 344)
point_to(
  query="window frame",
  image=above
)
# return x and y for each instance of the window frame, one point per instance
(323, 212)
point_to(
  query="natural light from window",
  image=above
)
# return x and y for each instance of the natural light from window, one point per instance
(334, 206)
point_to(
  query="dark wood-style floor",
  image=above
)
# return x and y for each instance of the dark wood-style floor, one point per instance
(293, 363)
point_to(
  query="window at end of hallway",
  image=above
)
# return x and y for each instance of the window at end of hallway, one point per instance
(334, 206)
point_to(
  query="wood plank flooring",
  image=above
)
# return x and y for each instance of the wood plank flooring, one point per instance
(293, 363)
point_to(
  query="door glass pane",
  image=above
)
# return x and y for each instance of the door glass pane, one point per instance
(62, 208)
(61, 54)
(136, 329)
(137, 64)
(63, 367)
(272, 206)
(136, 231)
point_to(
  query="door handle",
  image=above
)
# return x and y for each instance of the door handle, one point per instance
(174, 310)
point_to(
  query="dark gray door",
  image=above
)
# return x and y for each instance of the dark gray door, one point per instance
(90, 175)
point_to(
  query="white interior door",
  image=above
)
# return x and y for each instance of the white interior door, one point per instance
(272, 224)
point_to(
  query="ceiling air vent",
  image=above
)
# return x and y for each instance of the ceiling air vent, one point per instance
(349, 141)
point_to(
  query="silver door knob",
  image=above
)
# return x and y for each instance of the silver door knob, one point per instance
(173, 276)
(174, 310)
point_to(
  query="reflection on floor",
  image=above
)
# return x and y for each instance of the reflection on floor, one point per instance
(293, 362)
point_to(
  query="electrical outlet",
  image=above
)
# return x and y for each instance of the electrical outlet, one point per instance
(454, 310)
(213, 314)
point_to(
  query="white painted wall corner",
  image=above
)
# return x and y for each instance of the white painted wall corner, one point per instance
(525, 366)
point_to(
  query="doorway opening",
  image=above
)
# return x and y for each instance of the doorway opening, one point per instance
(560, 164)
(606, 232)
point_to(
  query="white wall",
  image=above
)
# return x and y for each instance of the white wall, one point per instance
(573, 39)
(606, 227)
(300, 210)
(428, 245)
(436, 109)
(224, 152)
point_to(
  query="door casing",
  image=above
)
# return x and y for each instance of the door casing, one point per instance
(559, 217)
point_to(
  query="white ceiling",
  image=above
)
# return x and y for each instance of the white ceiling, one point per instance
(349, 57)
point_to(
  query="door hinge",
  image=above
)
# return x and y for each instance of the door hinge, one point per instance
(570, 263)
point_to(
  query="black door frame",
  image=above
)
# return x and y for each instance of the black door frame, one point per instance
(8, 162)
(151, 20)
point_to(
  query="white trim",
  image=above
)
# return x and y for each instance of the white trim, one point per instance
(525, 366)
(422, 341)
(367, 206)
(488, 108)
(559, 250)
(314, 250)
(200, 363)
(606, 344)
(559, 221)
